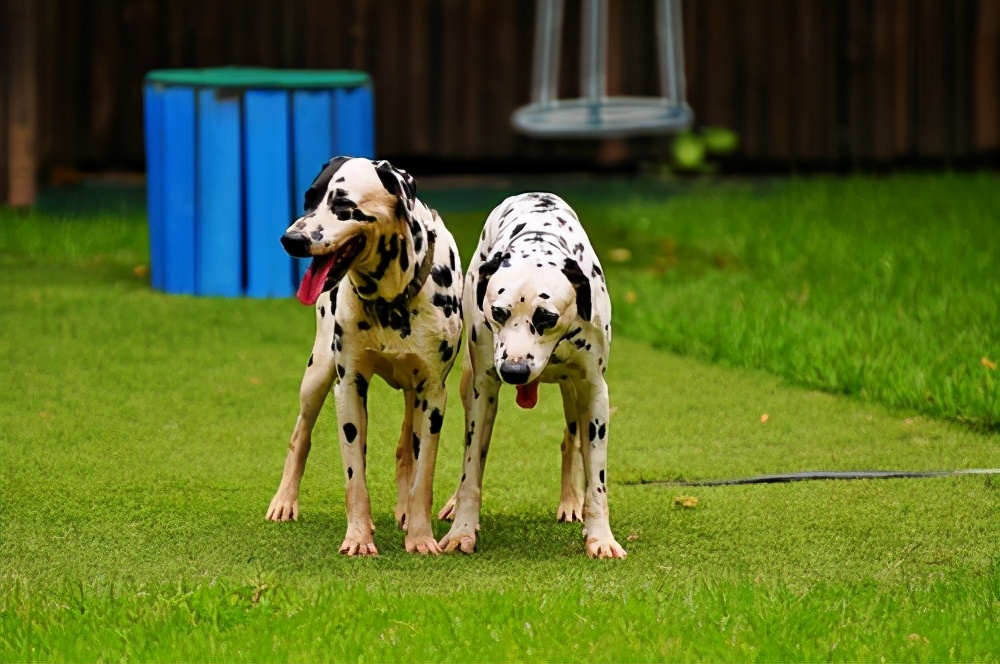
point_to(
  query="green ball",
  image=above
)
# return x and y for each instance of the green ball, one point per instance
(689, 150)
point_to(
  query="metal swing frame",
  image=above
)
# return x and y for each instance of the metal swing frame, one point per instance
(595, 114)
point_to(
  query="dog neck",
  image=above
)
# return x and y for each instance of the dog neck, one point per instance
(400, 266)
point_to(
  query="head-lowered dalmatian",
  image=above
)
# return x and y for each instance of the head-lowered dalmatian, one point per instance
(386, 283)
(537, 310)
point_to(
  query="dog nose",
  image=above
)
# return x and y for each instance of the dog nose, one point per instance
(515, 373)
(296, 244)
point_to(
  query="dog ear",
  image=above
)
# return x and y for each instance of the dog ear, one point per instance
(400, 184)
(487, 270)
(581, 284)
(387, 176)
(314, 194)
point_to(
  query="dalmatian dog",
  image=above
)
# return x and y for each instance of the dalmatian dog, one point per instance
(537, 310)
(386, 283)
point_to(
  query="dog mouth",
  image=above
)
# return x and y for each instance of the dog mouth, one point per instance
(327, 270)
(527, 394)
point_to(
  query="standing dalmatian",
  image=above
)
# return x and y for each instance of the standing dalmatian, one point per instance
(386, 283)
(537, 309)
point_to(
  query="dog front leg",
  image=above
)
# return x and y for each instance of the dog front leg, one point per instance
(312, 393)
(427, 423)
(479, 420)
(572, 491)
(352, 417)
(594, 414)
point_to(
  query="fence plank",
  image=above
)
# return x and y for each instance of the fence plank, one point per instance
(22, 163)
(986, 81)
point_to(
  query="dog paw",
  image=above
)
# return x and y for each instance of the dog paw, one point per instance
(422, 544)
(354, 547)
(458, 540)
(283, 508)
(604, 547)
(447, 512)
(570, 511)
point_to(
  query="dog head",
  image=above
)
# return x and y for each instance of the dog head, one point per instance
(350, 205)
(530, 309)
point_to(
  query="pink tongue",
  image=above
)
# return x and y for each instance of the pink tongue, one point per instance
(527, 395)
(314, 280)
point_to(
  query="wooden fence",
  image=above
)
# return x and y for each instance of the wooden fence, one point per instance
(828, 83)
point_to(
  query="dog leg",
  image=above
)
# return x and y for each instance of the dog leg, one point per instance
(315, 386)
(426, 433)
(404, 458)
(594, 414)
(352, 417)
(478, 431)
(447, 513)
(571, 498)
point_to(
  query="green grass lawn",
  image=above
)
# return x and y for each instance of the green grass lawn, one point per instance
(142, 437)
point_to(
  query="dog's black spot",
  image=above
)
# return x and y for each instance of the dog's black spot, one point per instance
(463, 478)
(446, 351)
(572, 428)
(316, 235)
(404, 259)
(448, 304)
(310, 360)
(601, 431)
(387, 251)
(601, 474)
(580, 343)
(441, 274)
(517, 229)
(350, 472)
(420, 386)
(361, 383)
(416, 446)
(468, 434)
(544, 320)
(350, 432)
(570, 335)
(593, 431)
(340, 370)
(452, 260)
(358, 215)
(472, 334)
(596, 271)
(364, 325)
(500, 315)
(337, 330)
(475, 393)
(437, 419)
(544, 296)
(322, 312)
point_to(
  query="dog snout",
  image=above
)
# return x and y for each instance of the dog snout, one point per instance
(296, 244)
(515, 372)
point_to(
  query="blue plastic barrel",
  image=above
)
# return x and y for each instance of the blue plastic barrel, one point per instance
(229, 154)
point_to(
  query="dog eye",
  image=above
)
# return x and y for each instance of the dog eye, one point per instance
(501, 315)
(544, 320)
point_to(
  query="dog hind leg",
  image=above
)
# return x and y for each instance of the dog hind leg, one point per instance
(404, 458)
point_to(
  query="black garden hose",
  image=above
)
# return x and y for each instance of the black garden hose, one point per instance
(823, 475)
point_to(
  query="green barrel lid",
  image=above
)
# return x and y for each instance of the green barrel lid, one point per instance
(260, 77)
